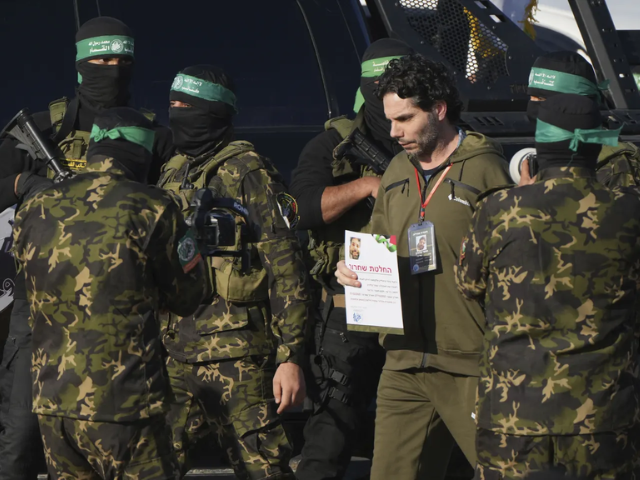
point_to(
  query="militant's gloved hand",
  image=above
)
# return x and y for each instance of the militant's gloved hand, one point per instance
(30, 184)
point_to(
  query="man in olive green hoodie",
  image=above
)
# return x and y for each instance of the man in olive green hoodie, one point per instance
(429, 380)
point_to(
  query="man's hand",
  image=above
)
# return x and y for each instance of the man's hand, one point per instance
(525, 174)
(289, 388)
(374, 184)
(338, 200)
(347, 277)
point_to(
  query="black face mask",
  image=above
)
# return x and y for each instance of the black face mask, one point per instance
(533, 110)
(377, 123)
(195, 130)
(104, 86)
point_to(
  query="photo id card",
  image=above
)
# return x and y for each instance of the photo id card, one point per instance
(422, 248)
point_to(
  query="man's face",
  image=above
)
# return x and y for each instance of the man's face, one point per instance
(415, 130)
(354, 248)
(110, 61)
(179, 104)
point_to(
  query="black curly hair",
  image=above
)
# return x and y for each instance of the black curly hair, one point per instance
(422, 80)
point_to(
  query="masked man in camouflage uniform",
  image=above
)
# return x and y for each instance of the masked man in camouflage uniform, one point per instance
(236, 353)
(102, 252)
(568, 72)
(104, 64)
(557, 266)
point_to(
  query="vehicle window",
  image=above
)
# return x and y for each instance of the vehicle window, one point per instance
(264, 45)
(39, 54)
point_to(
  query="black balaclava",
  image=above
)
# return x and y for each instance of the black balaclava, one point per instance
(103, 86)
(569, 112)
(206, 125)
(130, 148)
(564, 62)
(377, 124)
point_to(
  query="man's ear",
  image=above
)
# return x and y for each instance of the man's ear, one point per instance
(440, 108)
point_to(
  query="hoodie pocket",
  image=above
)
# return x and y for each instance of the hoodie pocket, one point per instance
(401, 183)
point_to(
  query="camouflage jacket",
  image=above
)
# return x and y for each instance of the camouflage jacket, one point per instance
(260, 312)
(557, 266)
(100, 254)
(619, 166)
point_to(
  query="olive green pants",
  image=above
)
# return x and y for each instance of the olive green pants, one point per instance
(420, 415)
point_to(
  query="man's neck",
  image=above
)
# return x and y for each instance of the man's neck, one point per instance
(447, 144)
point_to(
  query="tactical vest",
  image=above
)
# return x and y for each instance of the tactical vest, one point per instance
(325, 244)
(76, 143)
(225, 177)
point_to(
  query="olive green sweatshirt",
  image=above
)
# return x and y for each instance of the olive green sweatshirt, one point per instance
(442, 329)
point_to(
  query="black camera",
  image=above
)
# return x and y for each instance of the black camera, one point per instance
(214, 223)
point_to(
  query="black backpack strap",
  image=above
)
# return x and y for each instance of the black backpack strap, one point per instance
(68, 122)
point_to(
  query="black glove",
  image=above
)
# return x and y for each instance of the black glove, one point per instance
(30, 184)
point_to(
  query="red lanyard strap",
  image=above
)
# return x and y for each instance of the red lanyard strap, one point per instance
(423, 206)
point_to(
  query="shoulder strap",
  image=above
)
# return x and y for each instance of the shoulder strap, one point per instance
(57, 109)
(167, 171)
(69, 114)
(234, 149)
(342, 125)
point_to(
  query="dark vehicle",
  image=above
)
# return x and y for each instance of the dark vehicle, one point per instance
(297, 63)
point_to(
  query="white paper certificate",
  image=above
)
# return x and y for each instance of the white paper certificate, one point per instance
(376, 306)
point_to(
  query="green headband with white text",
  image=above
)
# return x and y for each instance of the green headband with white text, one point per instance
(197, 87)
(371, 69)
(561, 82)
(104, 46)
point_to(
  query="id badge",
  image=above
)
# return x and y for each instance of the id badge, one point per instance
(422, 248)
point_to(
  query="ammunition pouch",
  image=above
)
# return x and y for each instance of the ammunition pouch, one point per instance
(235, 286)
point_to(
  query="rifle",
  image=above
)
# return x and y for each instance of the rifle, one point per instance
(358, 149)
(32, 140)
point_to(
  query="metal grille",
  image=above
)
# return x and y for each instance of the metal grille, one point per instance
(471, 47)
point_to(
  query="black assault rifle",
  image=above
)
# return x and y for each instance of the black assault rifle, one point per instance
(37, 145)
(359, 150)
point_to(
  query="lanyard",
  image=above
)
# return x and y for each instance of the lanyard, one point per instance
(426, 202)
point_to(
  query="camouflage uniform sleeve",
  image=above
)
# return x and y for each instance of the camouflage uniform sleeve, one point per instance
(18, 247)
(472, 269)
(281, 256)
(177, 264)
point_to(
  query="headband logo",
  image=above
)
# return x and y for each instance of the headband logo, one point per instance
(379, 67)
(117, 46)
(177, 83)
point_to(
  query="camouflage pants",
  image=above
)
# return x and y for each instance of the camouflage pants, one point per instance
(234, 398)
(79, 449)
(584, 457)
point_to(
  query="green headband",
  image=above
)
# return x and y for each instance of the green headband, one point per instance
(138, 135)
(564, 82)
(104, 46)
(370, 69)
(196, 87)
(547, 133)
